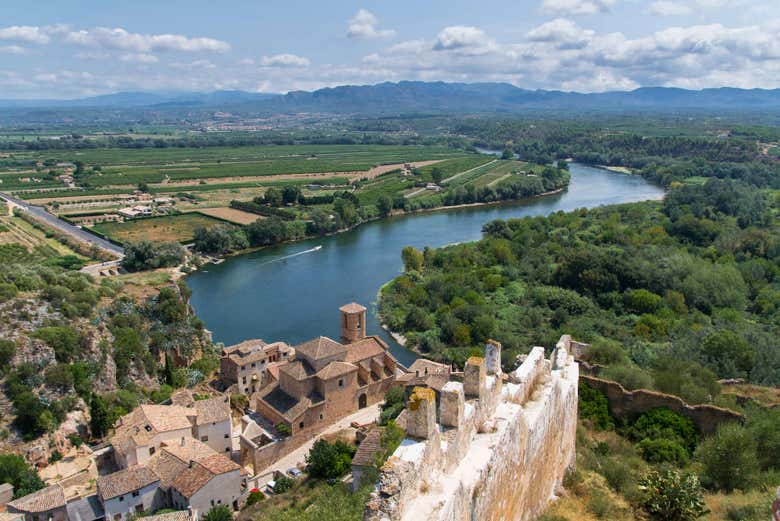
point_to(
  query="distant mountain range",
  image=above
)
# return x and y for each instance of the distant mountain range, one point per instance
(428, 97)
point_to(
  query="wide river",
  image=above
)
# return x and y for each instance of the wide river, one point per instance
(292, 292)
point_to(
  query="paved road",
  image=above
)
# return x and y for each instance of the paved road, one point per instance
(63, 226)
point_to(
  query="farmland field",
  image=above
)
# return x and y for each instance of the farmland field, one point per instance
(231, 214)
(177, 228)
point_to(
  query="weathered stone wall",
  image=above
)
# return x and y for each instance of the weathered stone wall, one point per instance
(501, 452)
(629, 404)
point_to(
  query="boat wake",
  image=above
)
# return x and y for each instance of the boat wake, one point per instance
(304, 252)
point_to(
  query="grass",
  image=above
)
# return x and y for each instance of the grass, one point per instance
(763, 395)
(176, 228)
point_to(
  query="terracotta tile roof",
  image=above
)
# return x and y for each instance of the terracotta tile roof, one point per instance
(273, 370)
(298, 370)
(322, 347)
(218, 464)
(192, 479)
(247, 346)
(366, 348)
(183, 398)
(352, 307)
(191, 450)
(125, 481)
(287, 406)
(167, 467)
(42, 500)
(369, 447)
(145, 421)
(335, 369)
(179, 515)
(211, 410)
(421, 364)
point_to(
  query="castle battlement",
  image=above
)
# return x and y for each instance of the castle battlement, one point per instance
(499, 451)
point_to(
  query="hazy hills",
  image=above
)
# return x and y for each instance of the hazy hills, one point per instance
(426, 97)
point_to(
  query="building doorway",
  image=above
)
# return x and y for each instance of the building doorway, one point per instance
(362, 401)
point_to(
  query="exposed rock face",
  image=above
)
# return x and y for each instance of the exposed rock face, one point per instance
(499, 456)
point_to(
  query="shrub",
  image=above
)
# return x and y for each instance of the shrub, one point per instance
(240, 402)
(283, 429)
(664, 424)
(283, 484)
(629, 376)
(670, 496)
(219, 513)
(593, 406)
(7, 352)
(729, 459)
(663, 451)
(64, 340)
(728, 354)
(254, 497)
(392, 406)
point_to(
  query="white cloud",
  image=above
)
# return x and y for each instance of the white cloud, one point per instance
(118, 38)
(24, 33)
(12, 49)
(666, 8)
(463, 39)
(576, 7)
(139, 58)
(284, 60)
(565, 34)
(364, 25)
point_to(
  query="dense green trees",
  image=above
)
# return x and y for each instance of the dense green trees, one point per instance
(329, 460)
(15, 470)
(146, 255)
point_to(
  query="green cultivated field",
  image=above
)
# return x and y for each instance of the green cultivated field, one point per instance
(177, 228)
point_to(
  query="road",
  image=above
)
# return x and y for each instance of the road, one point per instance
(297, 458)
(59, 224)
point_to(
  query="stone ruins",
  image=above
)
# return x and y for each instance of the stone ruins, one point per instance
(499, 450)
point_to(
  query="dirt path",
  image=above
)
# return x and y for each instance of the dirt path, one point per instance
(495, 181)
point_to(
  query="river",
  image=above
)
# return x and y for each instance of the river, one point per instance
(292, 292)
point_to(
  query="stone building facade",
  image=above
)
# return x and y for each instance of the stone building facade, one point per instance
(246, 365)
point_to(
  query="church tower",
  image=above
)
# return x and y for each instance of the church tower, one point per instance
(353, 322)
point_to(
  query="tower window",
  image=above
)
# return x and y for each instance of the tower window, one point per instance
(341, 382)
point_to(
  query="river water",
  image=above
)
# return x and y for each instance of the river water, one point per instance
(292, 292)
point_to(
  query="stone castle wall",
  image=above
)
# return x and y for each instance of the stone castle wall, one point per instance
(628, 404)
(500, 452)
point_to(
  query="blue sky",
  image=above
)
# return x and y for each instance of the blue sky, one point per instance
(62, 49)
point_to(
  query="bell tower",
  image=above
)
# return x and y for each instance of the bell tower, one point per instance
(353, 322)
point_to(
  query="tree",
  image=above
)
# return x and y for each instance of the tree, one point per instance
(729, 459)
(385, 205)
(219, 513)
(507, 153)
(273, 196)
(7, 352)
(728, 354)
(99, 421)
(413, 258)
(329, 460)
(168, 371)
(291, 194)
(670, 496)
(15, 470)
(146, 255)
(436, 174)
(143, 187)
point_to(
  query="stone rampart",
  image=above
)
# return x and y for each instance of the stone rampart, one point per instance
(500, 452)
(629, 404)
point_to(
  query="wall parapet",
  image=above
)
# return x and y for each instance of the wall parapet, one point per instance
(501, 451)
(628, 404)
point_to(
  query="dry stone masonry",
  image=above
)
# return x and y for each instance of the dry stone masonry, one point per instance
(500, 450)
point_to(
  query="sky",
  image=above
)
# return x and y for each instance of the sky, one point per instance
(64, 49)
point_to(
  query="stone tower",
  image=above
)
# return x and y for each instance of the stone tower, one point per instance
(353, 322)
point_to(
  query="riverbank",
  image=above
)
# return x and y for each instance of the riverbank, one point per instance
(218, 259)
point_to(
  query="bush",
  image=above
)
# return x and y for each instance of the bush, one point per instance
(664, 424)
(7, 353)
(283, 484)
(629, 376)
(64, 340)
(729, 459)
(669, 496)
(219, 513)
(663, 451)
(283, 429)
(393, 405)
(593, 406)
(254, 497)
(146, 255)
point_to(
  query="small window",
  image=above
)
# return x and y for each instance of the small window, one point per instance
(322, 416)
(227, 436)
(204, 438)
(300, 425)
(136, 493)
(243, 380)
(212, 502)
(121, 498)
(341, 382)
(227, 449)
(254, 364)
(151, 450)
